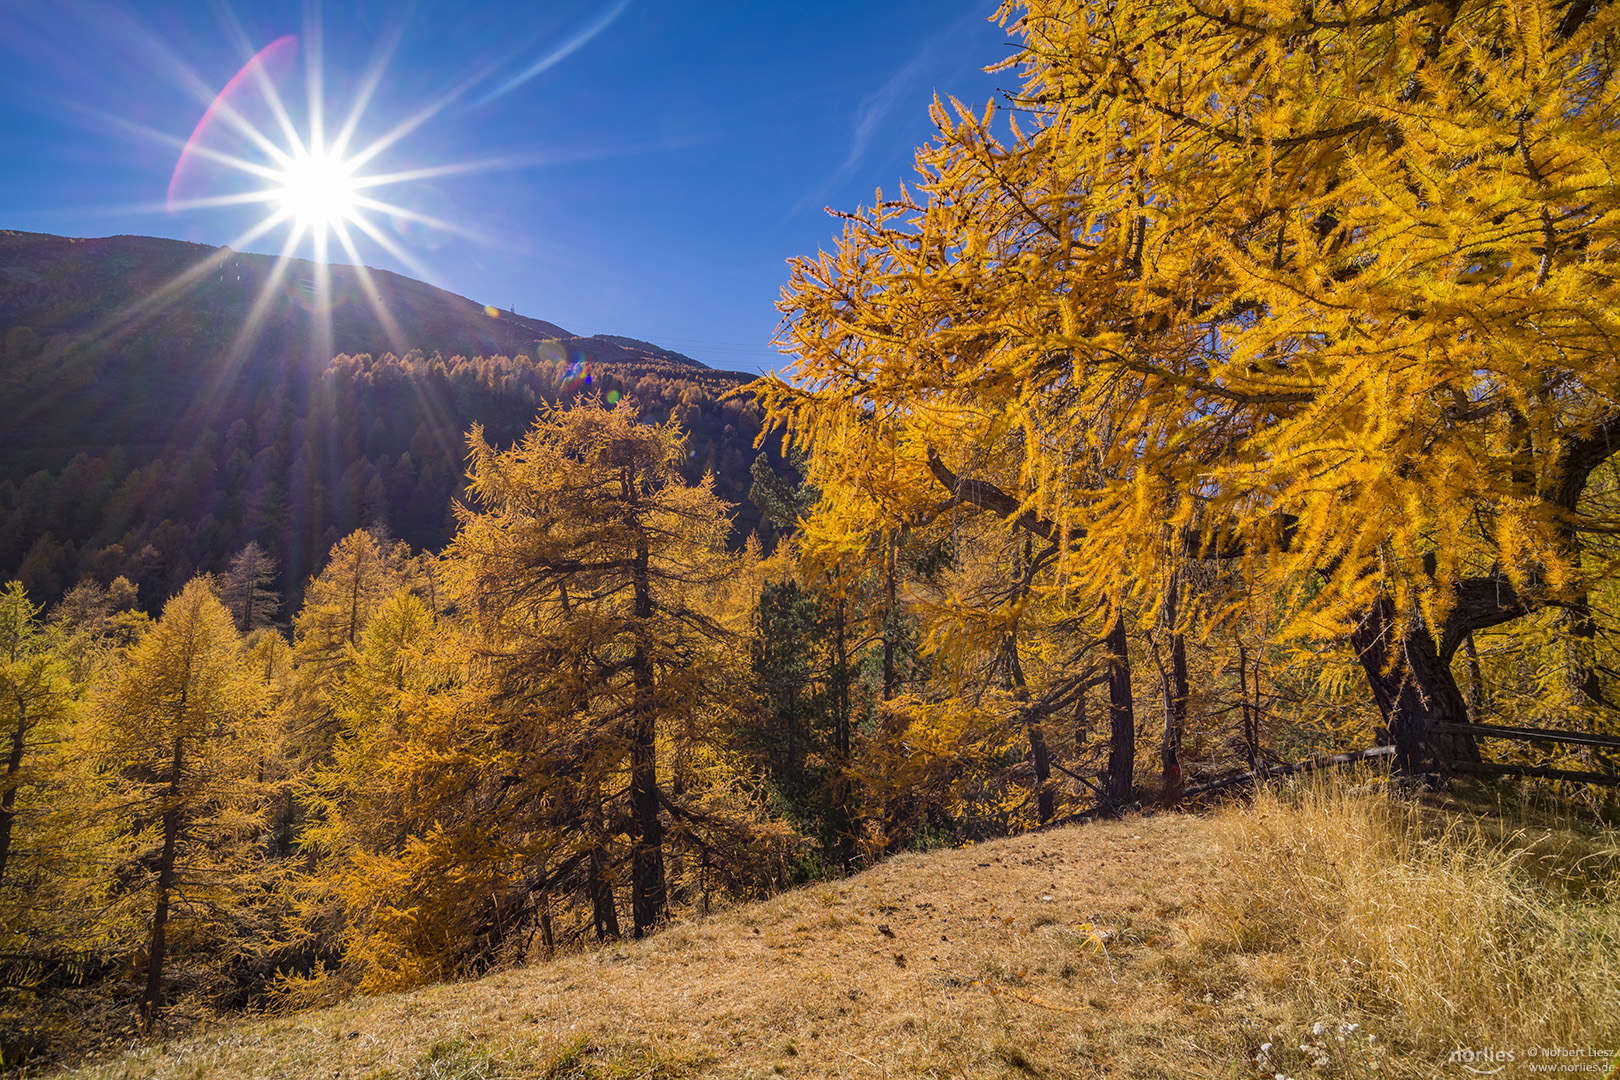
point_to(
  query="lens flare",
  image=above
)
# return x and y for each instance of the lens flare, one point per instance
(323, 178)
(313, 181)
(577, 378)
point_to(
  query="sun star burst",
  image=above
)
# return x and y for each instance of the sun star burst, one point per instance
(321, 188)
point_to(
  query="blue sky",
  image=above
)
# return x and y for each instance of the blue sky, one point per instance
(644, 168)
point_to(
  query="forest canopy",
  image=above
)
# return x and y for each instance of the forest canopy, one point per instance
(172, 481)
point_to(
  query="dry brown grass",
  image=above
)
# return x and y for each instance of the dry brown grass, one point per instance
(1451, 926)
(1151, 947)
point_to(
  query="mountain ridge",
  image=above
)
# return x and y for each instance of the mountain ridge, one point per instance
(428, 318)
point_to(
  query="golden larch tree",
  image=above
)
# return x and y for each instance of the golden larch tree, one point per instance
(176, 724)
(582, 566)
(1330, 292)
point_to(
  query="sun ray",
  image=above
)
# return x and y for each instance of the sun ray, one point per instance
(420, 218)
(314, 90)
(314, 180)
(248, 333)
(243, 126)
(206, 202)
(428, 172)
(323, 294)
(450, 96)
(199, 88)
(206, 405)
(417, 119)
(129, 319)
(368, 89)
(220, 104)
(131, 314)
(278, 109)
(261, 79)
(373, 296)
(240, 124)
(241, 164)
(383, 241)
(164, 138)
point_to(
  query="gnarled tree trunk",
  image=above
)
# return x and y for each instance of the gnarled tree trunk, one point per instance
(1413, 685)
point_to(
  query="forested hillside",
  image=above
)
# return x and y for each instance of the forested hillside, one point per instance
(148, 436)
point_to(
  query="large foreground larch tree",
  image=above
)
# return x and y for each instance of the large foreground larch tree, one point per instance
(1329, 290)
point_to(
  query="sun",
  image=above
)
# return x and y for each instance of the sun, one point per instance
(318, 190)
(312, 179)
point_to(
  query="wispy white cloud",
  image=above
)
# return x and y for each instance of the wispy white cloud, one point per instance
(557, 55)
(899, 89)
(876, 107)
(869, 115)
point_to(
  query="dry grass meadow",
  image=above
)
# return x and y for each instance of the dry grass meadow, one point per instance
(1314, 934)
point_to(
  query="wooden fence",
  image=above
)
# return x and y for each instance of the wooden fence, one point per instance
(1524, 734)
(1306, 766)
(1485, 768)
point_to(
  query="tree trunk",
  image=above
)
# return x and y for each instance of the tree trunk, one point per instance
(1045, 800)
(547, 938)
(604, 914)
(1581, 678)
(843, 795)
(841, 682)
(1119, 780)
(647, 889)
(1175, 698)
(1435, 692)
(1414, 690)
(1582, 685)
(1039, 756)
(152, 997)
(1248, 710)
(1178, 684)
(8, 801)
(891, 616)
(354, 596)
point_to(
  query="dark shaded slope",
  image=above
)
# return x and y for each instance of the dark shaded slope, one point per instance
(142, 433)
(94, 333)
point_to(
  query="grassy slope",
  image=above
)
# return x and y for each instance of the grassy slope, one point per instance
(1107, 949)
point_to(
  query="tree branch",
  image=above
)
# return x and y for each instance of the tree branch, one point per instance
(1577, 459)
(986, 496)
(1479, 603)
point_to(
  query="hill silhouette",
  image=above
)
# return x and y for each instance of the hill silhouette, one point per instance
(169, 402)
